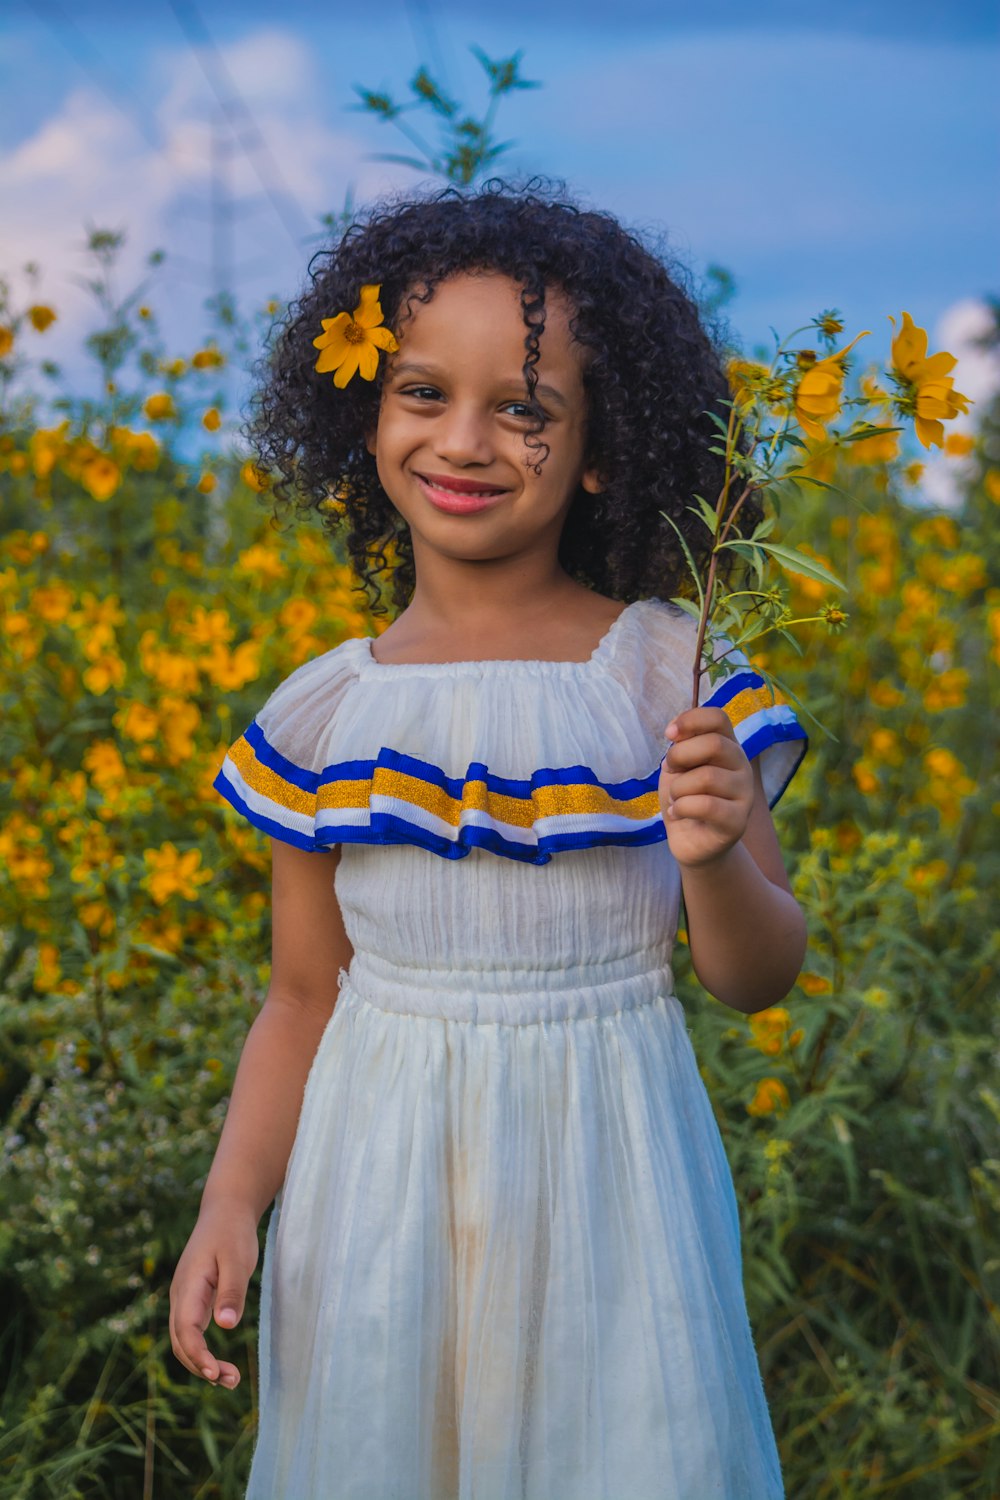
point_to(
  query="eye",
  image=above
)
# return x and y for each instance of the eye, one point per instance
(418, 390)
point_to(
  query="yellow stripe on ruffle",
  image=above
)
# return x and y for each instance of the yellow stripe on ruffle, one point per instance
(581, 798)
(268, 783)
(749, 702)
(516, 812)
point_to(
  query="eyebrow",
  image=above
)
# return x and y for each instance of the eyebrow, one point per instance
(549, 392)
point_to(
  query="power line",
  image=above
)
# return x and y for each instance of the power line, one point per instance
(93, 62)
(240, 118)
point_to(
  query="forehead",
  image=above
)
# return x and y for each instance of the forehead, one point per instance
(482, 311)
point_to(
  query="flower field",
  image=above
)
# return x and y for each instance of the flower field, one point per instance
(148, 604)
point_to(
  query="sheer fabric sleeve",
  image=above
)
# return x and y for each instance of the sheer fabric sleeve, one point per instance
(272, 773)
(660, 670)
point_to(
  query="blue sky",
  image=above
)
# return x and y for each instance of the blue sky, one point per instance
(842, 158)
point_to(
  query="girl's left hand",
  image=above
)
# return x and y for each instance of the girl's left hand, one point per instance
(706, 786)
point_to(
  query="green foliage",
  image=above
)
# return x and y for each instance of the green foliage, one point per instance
(468, 145)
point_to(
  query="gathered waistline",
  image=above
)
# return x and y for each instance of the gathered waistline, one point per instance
(510, 996)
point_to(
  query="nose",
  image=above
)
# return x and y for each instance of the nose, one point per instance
(463, 436)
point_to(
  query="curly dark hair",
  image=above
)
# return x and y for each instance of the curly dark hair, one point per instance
(654, 365)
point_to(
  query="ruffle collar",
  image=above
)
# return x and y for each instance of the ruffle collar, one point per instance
(521, 758)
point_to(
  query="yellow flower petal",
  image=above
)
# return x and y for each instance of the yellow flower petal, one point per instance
(367, 361)
(383, 338)
(349, 365)
(909, 347)
(334, 356)
(368, 311)
(927, 432)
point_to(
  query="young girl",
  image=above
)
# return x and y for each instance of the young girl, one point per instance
(504, 1255)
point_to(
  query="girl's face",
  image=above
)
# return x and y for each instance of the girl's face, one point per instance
(453, 414)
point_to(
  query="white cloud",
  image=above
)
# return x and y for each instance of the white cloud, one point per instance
(87, 166)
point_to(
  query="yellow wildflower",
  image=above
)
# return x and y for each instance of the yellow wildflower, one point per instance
(818, 393)
(991, 484)
(351, 344)
(6, 340)
(884, 745)
(40, 316)
(946, 690)
(864, 777)
(101, 477)
(298, 614)
(137, 721)
(207, 626)
(232, 669)
(254, 477)
(23, 856)
(925, 389)
(958, 444)
(107, 671)
(770, 1095)
(885, 694)
(97, 917)
(262, 561)
(103, 761)
(46, 446)
(922, 877)
(874, 450)
(52, 602)
(207, 483)
(145, 312)
(770, 1029)
(937, 531)
(140, 449)
(179, 720)
(159, 407)
(168, 668)
(208, 359)
(211, 421)
(171, 873)
(814, 984)
(47, 970)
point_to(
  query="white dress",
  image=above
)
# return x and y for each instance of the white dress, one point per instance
(505, 1260)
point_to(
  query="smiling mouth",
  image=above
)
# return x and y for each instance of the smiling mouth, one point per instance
(468, 490)
(460, 502)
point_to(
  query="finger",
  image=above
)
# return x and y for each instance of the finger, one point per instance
(703, 809)
(709, 781)
(189, 1317)
(702, 748)
(231, 1296)
(699, 721)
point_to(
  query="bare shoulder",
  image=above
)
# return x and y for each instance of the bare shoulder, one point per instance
(309, 944)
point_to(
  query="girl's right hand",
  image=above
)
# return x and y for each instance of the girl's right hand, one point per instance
(213, 1272)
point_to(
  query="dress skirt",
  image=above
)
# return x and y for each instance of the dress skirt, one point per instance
(505, 1261)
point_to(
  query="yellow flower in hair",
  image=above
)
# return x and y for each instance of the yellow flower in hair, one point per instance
(351, 343)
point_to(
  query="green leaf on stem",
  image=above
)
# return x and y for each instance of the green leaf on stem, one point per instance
(695, 575)
(791, 560)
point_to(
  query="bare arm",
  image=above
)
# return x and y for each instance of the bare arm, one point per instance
(746, 930)
(308, 947)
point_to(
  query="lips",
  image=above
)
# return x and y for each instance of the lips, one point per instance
(461, 486)
(459, 501)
